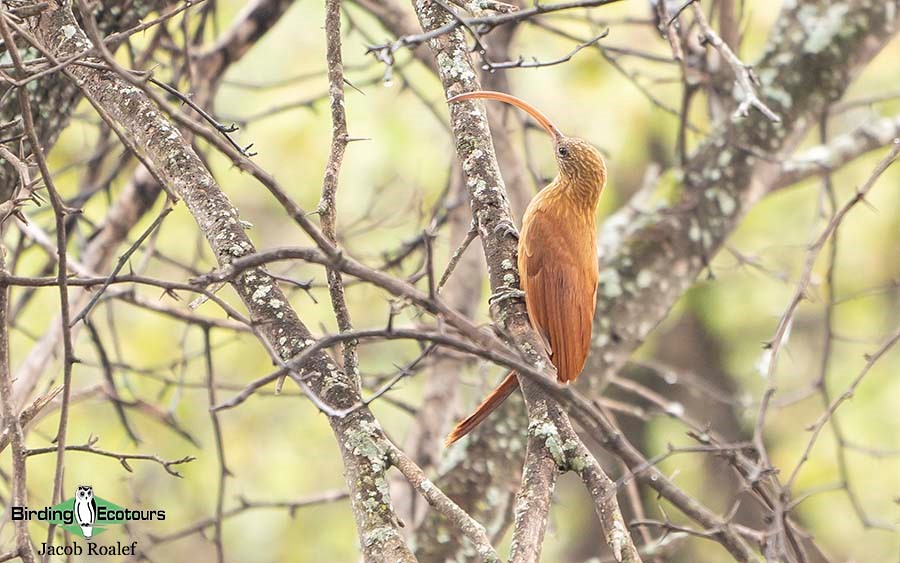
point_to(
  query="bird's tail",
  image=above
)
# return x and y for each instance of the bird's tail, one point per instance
(487, 406)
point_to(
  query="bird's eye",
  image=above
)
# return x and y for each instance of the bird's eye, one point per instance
(563, 151)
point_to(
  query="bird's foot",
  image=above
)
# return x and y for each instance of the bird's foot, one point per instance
(504, 294)
(506, 228)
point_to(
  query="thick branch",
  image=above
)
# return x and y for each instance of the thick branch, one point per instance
(13, 425)
(360, 437)
(54, 98)
(839, 151)
(490, 209)
(141, 192)
(649, 258)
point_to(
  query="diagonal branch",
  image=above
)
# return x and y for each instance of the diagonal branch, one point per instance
(362, 442)
(55, 98)
(650, 257)
(743, 73)
(545, 455)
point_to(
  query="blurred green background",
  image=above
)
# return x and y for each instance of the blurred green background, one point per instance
(280, 448)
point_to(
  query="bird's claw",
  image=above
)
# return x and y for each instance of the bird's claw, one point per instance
(505, 294)
(505, 227)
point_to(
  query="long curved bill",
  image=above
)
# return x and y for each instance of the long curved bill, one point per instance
(512, 100)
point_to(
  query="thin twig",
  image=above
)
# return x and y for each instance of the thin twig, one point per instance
(743, 73)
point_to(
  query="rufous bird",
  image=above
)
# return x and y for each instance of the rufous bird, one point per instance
(558, 266)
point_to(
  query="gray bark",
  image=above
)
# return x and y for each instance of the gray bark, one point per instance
(53, 97)
(360, 438)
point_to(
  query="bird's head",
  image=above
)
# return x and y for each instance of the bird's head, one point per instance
(579, 162)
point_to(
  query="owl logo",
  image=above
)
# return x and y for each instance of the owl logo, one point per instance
(85, 509)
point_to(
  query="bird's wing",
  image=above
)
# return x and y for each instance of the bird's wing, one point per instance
(559, 277)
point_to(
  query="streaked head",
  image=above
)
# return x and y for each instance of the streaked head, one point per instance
(578, 160)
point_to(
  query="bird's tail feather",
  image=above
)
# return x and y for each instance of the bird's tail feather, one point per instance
(487, 406)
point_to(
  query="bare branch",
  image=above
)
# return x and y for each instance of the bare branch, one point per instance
(743, 73)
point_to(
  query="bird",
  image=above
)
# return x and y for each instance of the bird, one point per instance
(558, 265)
(85, 509)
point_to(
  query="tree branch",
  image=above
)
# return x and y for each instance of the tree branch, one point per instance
(55, 98)
(360, 437)
(490, 209)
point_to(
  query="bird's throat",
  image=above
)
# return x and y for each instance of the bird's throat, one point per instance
(581, 195)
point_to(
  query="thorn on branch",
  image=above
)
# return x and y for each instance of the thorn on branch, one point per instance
(746, 79)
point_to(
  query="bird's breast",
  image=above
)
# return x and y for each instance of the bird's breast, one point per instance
(554, 220)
